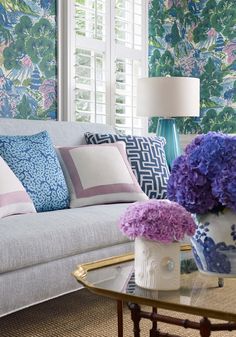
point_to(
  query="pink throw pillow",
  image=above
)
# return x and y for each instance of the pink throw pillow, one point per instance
(13, 197)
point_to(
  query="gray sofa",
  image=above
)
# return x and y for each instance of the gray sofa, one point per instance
(38, 252)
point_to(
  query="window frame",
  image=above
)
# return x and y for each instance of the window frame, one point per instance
(66, 43)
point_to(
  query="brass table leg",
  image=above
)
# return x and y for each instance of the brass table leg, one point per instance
(120, 318)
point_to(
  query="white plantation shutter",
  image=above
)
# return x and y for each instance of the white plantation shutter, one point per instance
(108, 55)
(127, 73)
(90, 18)
(128, 23)
(90, 82)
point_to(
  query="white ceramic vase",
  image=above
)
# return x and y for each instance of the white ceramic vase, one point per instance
(157, 265)
(214, 243)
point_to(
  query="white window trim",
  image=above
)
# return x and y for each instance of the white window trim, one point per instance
(66, 58)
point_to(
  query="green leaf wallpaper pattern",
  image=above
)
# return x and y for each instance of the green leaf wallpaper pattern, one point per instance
(28, 74)
(197, 38)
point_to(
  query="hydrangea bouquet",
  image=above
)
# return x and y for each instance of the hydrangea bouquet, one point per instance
(157, 220)
(203, 179)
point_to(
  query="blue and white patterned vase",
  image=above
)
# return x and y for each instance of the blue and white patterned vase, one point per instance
(214, 243)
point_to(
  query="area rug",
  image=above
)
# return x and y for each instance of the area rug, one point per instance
(80, 314)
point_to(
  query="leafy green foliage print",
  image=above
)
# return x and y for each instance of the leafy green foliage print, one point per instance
(163, 65)
(197, 38)
(28, 83)
(24, 109)
(35, 40)
(5, 35)
(16, 6)
(210, 80)
(156, 22)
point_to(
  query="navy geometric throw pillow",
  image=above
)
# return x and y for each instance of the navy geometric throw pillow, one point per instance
(147, 159)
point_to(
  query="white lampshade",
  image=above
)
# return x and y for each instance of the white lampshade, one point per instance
(168, 97)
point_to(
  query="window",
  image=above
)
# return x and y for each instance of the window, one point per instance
(106, 54)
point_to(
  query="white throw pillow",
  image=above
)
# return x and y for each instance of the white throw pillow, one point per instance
(99, 174)
(13, 197)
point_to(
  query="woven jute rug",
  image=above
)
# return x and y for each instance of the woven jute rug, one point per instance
(81, 314)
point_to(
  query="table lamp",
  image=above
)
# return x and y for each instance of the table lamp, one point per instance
(168, 97)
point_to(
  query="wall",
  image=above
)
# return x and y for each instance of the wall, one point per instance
(28, 59)
(197, 38)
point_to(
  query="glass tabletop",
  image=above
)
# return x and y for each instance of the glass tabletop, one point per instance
(199, 294)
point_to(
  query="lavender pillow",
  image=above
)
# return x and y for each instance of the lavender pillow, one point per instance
(99, 174)
(13, 197)
(147, 158)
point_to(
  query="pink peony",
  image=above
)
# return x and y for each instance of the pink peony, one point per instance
(48, 89)
(26, 61)
(230, 50)
(212, 32)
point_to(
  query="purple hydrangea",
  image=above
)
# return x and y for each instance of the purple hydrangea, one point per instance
(158, 220)
(204, 177)
(194, 144)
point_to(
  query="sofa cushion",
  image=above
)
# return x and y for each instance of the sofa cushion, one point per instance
(99, 174)
(31, 239)
(13, 197)
(147, 159)
(35, 163)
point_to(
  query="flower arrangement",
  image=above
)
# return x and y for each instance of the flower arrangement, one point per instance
(203, 179)
(158, 220)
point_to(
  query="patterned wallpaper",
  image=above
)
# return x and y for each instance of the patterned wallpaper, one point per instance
(197, 38)
(28, 59)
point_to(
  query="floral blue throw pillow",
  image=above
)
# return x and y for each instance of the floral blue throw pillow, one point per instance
(35, 163)
(147, 159)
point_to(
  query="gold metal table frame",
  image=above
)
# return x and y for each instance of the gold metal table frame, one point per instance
(205, 326)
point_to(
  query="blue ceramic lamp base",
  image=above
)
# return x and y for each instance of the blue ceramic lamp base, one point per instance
(167, 128)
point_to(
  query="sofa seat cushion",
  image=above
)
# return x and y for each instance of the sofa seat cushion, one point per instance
(32, 239)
